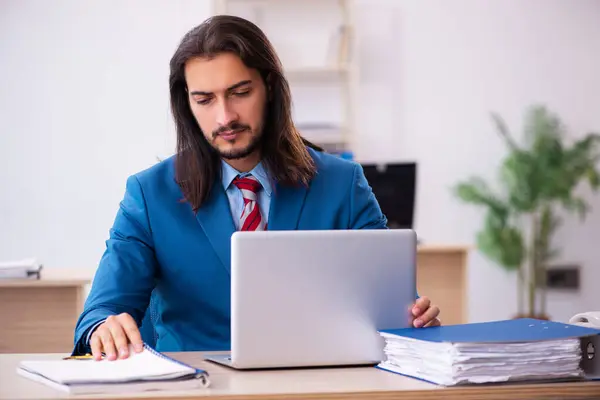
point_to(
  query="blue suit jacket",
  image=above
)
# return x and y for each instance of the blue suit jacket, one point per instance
(158, 243)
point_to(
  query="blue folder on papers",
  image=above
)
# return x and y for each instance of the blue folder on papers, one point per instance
(498, 351)
(514, 330)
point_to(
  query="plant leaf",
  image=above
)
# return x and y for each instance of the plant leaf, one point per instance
(504, 132)
(476, 191)
(548, 225)
(577, 205)
(501, 242)
(519, 175)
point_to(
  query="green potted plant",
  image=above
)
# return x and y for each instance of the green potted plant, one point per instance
(537, 177)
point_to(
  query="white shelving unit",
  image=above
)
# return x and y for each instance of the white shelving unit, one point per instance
(331, 67)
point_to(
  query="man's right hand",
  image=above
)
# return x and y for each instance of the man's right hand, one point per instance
(113, 337)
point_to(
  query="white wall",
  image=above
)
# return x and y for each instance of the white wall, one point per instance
(462, 59)
(84, 103)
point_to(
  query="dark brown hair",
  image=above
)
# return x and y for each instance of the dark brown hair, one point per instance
(284, 152)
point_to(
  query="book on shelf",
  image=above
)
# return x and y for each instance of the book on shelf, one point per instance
(27, 268)
(489, 352)
(144, 371)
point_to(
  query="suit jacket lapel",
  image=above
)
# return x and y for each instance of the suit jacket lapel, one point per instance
(286, 207)
(215, 218)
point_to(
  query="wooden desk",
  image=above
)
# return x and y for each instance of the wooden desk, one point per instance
(334, 383)
(39, 315)
(442, 276)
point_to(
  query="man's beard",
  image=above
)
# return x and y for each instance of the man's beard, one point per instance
(241, 153)
(237, 154)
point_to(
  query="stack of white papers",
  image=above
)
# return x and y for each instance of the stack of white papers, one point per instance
(20, 269)
(501, 351)
(452, 364)
(148, 370)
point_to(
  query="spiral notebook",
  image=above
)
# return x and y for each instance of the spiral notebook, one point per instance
(147, 370)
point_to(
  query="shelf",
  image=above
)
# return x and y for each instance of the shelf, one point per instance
(326, 67)
(323, 135)
(316, 73)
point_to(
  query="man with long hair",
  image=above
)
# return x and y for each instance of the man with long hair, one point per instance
(240, 165)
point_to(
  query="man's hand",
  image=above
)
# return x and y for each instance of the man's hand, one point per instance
(424, 314)
(114, 336)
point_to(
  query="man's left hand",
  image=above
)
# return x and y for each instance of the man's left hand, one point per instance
(424, 314)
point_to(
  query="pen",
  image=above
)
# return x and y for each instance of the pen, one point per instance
(83, 357)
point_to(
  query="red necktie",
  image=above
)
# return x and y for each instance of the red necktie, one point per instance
(250, 219)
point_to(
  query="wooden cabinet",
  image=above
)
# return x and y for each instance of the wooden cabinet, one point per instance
(442, 276)
(39, 316)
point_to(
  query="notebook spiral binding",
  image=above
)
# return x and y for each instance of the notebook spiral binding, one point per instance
(200, 374)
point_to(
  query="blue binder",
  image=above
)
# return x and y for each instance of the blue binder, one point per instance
(524, 330)
(515, 330)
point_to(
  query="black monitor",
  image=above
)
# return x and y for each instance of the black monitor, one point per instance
(394, 186)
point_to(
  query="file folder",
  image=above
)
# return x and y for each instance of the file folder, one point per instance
(497, 351)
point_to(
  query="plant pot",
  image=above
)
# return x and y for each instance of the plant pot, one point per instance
(534, 316)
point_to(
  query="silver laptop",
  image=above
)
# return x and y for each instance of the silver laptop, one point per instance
(317, 298)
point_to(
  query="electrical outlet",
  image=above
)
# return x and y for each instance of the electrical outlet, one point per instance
(562, 277)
